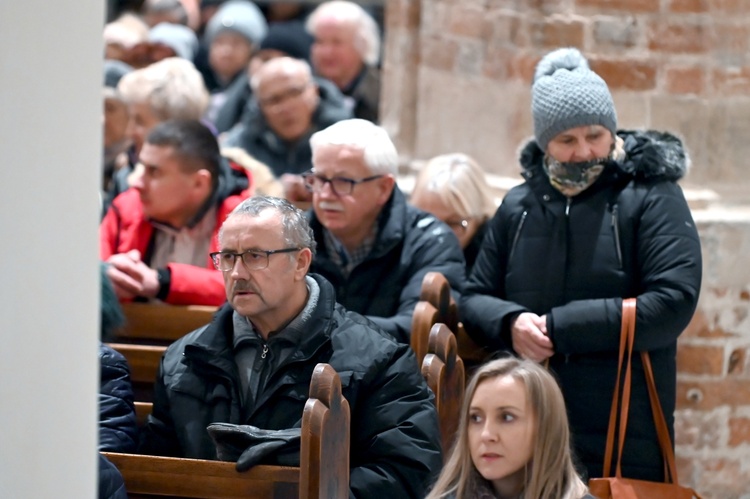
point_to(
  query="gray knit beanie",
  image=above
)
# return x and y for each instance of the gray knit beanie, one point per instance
(239, 16)
(179, 38)
(567, 94)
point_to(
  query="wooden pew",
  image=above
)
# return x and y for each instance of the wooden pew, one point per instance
(437, 291)
(444, 371)
(323, 471)
(144, 365)
(147, 323)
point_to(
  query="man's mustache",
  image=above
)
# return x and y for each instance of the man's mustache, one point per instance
(243, 286)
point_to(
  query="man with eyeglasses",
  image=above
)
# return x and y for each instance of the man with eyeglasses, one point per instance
(253, 363)
(374, 248)
(289, 106)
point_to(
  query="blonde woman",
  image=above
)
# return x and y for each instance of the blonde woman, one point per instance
(454, 189)
(513, 438)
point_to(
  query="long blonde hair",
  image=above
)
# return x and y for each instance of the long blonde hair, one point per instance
(550, 474)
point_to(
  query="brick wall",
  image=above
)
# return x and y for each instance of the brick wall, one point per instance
(457, 76)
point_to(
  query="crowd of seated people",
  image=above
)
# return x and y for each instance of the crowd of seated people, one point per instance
(245, 169)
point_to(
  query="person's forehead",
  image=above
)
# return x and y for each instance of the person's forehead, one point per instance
(279, 79)
(339, 159)
(253, 231)
(332, 25)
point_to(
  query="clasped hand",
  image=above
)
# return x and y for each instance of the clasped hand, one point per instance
(529, 336)
(131, 277)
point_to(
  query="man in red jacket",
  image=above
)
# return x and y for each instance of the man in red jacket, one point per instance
(157, 235)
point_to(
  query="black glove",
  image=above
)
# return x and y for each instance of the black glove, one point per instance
(249, 445)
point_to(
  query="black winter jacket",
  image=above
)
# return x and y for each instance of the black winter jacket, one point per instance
(630, 234)
(118, 431)
(395, 443)
(255, 136)
(386, 285)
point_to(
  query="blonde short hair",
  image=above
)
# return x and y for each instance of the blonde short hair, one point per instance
(460, 184)
(172, 87)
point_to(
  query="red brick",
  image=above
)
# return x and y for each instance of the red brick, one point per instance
(739, 431)
(466, 21)
(732, 38)
(732, 392)
(621, 5)
(508, 28)
(626, 74)
(736, 364)
(679, 37)
(523, 65)
(732, 81)
(688, 6)
(616, 32)
(553, 33)
(695, 359)
(698, 325)
(699, 430)
(745, 295)
(731, 6)
(685, 80)
(439, 53)
(402, 14)
(497, 62)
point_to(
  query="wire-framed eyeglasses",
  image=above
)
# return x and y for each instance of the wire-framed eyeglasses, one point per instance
(252, 259)
(341, 186)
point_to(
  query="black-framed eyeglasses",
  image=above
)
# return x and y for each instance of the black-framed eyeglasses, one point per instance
(341, 186)
(252, 259)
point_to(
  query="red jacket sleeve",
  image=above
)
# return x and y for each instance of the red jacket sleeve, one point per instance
(191, 285)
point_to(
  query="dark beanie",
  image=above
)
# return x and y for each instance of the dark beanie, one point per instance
(289, 37)
(567, 94)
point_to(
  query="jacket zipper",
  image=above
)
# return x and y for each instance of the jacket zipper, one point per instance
(518, 234)
(567, 207)
(265, 351)
(616, 232)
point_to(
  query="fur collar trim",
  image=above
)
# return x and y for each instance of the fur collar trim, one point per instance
(649, 155)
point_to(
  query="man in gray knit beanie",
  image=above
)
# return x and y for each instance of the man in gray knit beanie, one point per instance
(567, 94)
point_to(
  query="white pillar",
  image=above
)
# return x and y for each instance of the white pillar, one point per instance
(50, 136)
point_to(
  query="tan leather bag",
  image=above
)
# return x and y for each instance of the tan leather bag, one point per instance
(618, 487)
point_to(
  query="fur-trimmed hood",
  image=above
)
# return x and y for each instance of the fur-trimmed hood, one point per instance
(649, 155)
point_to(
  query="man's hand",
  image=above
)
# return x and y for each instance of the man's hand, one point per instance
(529, 335)
(294, 188)
(131, 277)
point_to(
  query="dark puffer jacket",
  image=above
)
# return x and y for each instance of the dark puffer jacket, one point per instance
(630, 234)
(386, 285)
(118, 431)
(395, 443)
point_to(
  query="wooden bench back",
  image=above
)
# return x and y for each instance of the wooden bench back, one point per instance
(437, 291)
(160, 324)
(444, 371)
(424, 317)
(326, 434)
(144, 363)
(323, 471)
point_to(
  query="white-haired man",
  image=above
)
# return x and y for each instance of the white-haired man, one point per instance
(346, 51)
(374, 247)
